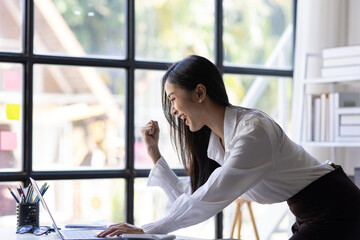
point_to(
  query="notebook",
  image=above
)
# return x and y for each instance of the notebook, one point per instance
(87, 234)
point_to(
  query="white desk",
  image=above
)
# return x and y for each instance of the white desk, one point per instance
(10, 234)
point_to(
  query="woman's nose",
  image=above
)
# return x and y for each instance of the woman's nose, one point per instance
(173, 111)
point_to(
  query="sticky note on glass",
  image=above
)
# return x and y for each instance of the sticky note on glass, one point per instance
(13, 111)
(8, 141)
(12, 80)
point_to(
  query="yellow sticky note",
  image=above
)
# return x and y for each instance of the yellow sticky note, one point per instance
(13, 111)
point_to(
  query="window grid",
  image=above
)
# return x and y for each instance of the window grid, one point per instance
(28, 59)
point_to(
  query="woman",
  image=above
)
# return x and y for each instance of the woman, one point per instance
(230, 152)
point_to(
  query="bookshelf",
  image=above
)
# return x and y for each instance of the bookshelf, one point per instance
(331, 85)
(333, 80)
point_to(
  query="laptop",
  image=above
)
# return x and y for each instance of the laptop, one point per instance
(87, 234)
(67, 234)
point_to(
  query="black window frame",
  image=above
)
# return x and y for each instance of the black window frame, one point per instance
(28, 59)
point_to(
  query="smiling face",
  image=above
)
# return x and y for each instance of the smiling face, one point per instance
(185, 105)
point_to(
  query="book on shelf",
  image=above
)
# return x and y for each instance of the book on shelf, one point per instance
(349, 131)
(316, 116)
(317, 119)
(331, 116)
(346, 109)
(341, 61)
(309, 118)
(349, 119)
(344, 51)
(324, 118)
(340, 71)
(348, 126)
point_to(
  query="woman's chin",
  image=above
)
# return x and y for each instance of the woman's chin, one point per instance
(187, 123)
(193, 128)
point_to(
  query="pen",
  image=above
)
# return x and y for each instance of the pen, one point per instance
(19, 192)
(22, 191)
(21, 197)
(29, 194)
(13, 195)
(42, 192)
(27, 191)
(37, 199)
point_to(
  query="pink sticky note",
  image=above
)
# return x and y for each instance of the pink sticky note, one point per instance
(8, 141)
(12, 80)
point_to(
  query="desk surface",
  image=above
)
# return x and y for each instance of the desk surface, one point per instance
(10, 234)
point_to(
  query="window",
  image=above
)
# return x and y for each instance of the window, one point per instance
(11, 26)
(78, 79)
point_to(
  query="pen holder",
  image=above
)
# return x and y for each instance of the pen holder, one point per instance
(27, 214)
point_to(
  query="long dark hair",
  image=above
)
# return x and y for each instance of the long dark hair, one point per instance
(192, 147)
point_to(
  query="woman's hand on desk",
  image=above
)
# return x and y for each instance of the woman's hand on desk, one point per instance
(120, 228)
(150, 134)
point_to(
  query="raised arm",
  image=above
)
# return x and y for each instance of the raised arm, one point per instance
(249, 161)
(150, 134)
(161, 175)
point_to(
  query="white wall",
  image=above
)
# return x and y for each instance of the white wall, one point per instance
(353, 23)
(321, 24)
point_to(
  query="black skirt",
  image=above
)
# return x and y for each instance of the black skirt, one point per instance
(328, 208)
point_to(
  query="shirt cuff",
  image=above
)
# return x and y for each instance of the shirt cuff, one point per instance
(162, 176)
(162, 226)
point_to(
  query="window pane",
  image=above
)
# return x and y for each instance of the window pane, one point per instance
(8, 204)
(84, 201)
(11, 118)
(11, 25)
(93, 28)
(78, 117)
(258, 32)
(157, 206)
(171, 30)
(271, 95)
(148, 107)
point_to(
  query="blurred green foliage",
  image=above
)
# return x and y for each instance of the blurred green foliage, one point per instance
(171, 30)
(252, 28)
(99, 25)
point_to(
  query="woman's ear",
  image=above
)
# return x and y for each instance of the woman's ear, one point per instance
(200, 91)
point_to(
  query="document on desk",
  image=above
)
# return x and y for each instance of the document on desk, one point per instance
(86, 226)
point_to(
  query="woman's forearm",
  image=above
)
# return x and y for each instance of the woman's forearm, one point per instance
(154, 154)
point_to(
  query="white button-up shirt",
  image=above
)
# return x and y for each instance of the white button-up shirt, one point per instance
(259, 163)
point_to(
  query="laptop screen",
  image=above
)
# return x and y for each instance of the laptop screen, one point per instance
(42, 200)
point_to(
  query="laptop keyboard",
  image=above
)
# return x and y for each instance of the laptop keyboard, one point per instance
(78, 234)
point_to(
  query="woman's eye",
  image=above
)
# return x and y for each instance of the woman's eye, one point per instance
(171, 100)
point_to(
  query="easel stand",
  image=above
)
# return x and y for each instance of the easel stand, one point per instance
(237, 218)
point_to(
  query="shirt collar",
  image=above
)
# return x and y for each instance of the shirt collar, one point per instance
(230, 122)
(215, 150)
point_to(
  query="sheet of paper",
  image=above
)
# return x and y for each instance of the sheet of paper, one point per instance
(8, 141)
(12, 80)
(13, 111)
